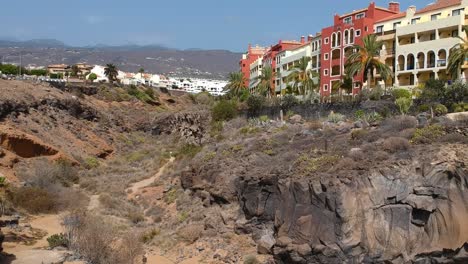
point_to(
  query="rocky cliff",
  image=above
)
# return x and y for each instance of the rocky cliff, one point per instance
(408, 211)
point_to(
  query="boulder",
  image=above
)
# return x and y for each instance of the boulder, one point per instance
(295, 119)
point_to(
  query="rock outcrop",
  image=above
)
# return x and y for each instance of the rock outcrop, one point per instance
(413, 211)
(190, 126)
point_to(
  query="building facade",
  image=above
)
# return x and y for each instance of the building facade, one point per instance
(337, 42)
(287, 59)
(252, 54)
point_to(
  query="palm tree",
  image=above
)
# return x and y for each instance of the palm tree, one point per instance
(236, 83)
(111, 72)
(458, 56)
(302, 78)
(344, 84)
(366, 59)
(265, 86)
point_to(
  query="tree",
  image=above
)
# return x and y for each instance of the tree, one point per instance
(345, 83)
(458, 56)
(365, 60)
(265, 86)
(74, 70)
(236, 83)
(111, 72)
(302, 78)
(92, 77)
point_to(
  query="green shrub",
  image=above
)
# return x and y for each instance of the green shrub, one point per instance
(255, 103)
(404, 104)
(189, 150)
(264, 118)
(427, 134)
(373, 117)
(224, 110)
(401, 93)
(424, 108)
(57, 240)
(91, 163)
(375, 94)
(289, 101)
(460, 107)
(335, 117)
(359, 114)
(244, 95)
(150, 92)
(440, 109)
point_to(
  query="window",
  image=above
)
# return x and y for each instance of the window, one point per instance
(356, 85)
(457, 12)
(327, 40)
(366, 29)
(379, 29)
(396, 24)
(433, 36)
(325, 56)
(348, 20)
(325, 87)
(415, 20)
(361, 15)
(435, 16)
(455, 33)
(358, 33)
(325, 72)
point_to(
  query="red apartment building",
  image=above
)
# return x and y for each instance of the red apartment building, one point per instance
(337, 41)
(252, 54)
(270, 59)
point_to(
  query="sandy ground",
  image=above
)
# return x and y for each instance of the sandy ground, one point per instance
(38, 253)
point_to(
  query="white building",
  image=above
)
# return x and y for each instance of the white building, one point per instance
(255, 73)
(287, 59)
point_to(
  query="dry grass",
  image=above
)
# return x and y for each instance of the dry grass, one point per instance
(190, 233)
(396, 144)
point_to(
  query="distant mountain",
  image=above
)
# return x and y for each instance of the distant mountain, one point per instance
(214, 64)
(44, 43)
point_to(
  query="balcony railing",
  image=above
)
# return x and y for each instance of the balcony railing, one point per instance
(441, 63)
(387, 52)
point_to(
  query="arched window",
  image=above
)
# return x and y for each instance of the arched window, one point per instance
(346, 37)
(338, 39)
(351, 36)
(333, 42)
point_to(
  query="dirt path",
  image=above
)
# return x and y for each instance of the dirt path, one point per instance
(147, 182)
(37, 252)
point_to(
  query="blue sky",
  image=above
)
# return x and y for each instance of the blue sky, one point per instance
(205, 24)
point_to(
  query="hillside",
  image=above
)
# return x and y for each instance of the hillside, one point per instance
(214, 64)
(130, 172)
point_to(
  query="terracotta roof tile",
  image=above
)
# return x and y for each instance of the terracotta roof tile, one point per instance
(439, 5)
(395, 16)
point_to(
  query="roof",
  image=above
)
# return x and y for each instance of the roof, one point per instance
(440, 4)
(392, 17)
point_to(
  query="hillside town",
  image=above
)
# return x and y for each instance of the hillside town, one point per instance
(411, 46)
(82, 72)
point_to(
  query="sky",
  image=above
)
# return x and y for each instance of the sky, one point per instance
(181, 24)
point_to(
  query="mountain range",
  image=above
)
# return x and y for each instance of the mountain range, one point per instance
(216, 64)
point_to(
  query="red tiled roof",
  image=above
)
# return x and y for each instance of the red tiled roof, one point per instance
(439, 5)
(395, 16)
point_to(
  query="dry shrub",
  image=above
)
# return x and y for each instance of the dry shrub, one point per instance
(395, 144)
(345, 164)
(33, 199)
(315, 125)
(190, 233)
(380, 155)
(357, 155)
(454, 138)
(98, 241)
(407, 133)
(399, 123)
(359, 134)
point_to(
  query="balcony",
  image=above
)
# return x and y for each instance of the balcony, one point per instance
(430, 25)
(387, 52)
(442, 63)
